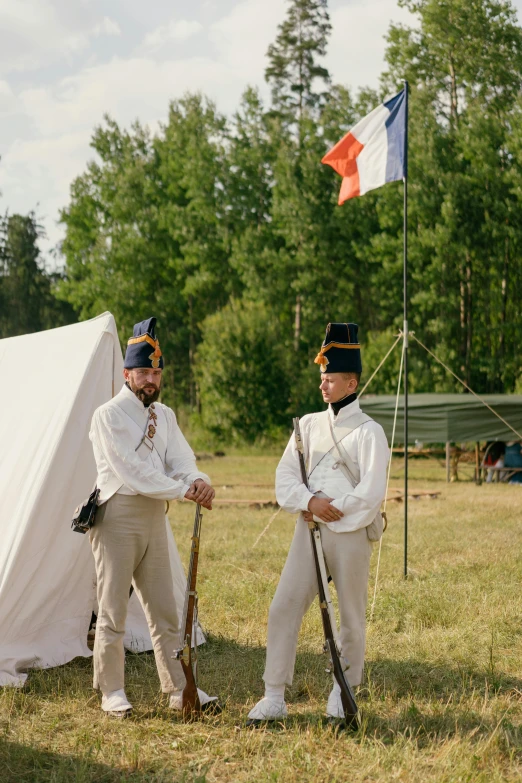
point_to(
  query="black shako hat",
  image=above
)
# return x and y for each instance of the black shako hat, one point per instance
(143, 347)
(340, 351)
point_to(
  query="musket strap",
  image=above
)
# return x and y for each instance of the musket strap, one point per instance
(128, 407)
(325, 442)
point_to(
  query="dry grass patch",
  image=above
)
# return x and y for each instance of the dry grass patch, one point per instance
(443, 697)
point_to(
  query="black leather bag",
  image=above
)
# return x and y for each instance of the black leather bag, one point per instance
(85, 515)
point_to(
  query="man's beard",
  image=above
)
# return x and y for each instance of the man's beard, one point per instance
(147, 399)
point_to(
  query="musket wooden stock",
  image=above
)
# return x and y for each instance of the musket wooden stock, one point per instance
(331, 646)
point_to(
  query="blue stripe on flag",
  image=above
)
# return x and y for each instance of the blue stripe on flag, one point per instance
(396, 132)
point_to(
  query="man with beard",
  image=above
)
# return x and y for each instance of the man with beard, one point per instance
(143, 460)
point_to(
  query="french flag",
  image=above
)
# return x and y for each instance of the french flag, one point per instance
(374, 151)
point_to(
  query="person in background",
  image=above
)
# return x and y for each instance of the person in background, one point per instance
(513, 459)
(494, 458)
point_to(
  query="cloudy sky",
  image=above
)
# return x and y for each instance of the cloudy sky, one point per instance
(64, 63)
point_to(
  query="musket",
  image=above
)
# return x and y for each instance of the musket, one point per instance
(186, 654)
(331, 645)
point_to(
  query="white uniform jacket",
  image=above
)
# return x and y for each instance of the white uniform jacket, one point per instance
(368, 451)
(164, 472)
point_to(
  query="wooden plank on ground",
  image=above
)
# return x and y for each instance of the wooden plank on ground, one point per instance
(244, 502)
(271, 503)
(415, 494)
(245, 484)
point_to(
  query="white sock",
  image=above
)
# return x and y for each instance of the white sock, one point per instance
(275, 692)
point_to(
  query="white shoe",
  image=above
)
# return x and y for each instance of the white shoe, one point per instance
(116, 704)
(336, 714)
(334, 706)
(267, 709)
(176, 699)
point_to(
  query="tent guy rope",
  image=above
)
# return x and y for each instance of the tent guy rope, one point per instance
(374, 373)
(260, 536)
(388, 477)
(412, 334)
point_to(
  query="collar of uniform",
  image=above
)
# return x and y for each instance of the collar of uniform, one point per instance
(129, 394)
(345, 412)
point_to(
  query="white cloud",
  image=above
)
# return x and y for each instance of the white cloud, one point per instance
(127, 90)
(32, 34)
(242, 37)
(107, 26)
(36, 33)
(175, 30)
(356, 50)
(5, 88)
(8, 105)
(36, 174)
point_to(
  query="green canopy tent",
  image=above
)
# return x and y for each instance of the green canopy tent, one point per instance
(440, 418)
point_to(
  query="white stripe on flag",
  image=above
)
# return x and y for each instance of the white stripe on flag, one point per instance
(371, 124)
(371, 162)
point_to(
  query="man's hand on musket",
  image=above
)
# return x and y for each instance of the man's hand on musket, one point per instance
(202, 493)
(322, 508)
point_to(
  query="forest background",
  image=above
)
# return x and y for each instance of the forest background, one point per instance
(227, 229)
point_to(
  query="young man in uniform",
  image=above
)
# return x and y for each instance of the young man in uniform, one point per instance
(143, 460)
(346, 456)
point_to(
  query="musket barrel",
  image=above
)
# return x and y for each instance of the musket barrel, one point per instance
(347, 697)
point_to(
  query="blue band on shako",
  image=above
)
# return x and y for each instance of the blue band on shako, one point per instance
(340, 351)
(143, 348)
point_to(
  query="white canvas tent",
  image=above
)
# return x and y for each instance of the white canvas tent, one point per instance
(50, 384)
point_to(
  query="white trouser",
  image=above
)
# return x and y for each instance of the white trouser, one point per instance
(129, 542)
(347, 558)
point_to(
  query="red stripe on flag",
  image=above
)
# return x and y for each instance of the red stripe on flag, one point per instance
(350, 186)
(343, 159)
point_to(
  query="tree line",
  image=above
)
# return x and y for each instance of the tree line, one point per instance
(28, 301)
(227, 228)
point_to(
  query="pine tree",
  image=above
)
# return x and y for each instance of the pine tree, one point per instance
(293, 71)
(27, 303)
(295, 76)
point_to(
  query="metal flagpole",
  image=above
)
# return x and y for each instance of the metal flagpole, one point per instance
(405, 307)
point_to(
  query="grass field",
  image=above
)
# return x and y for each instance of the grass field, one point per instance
(443, 694)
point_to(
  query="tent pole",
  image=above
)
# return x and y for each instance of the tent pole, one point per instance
(405, 307)
(448, 458)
